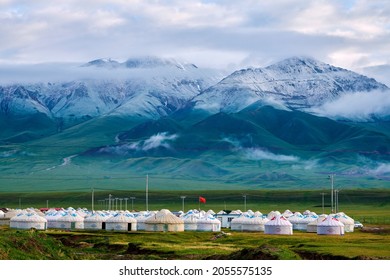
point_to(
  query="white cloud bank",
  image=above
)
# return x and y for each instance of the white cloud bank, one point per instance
(260, 154)
(158, 140)
(360, 106)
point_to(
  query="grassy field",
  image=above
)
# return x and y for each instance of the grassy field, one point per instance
(368, 206)
(371, 207)
(54, 244)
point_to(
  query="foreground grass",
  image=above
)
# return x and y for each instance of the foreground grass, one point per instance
(54, 244)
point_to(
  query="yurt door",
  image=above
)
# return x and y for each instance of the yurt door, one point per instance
(72, 225)
(103, 225)
(129, 227)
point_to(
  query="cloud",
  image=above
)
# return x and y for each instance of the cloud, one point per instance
(381, 169)
(260, 154)
(158, 140)
(360, 106)
(212, 33)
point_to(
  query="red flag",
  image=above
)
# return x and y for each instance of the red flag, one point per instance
(202, 199)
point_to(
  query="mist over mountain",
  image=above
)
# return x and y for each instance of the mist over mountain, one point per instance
(160, 116)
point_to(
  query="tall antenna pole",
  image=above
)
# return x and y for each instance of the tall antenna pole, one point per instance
(147, 197)
(331, 192)
(93, 194)
(182, 197)
(323, 210)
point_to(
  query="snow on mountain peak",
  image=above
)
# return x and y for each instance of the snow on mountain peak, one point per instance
(146, 62)
(297, 82)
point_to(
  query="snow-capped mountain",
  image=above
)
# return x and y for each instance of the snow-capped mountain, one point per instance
(297, 83)
(143, 87)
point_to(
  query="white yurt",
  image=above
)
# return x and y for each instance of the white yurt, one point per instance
(244, 223)
(12, 213)
(312, 226)
(295, 219)
(164, 221)
(278, 225)
(273, 214)
(348, 222)
(52, 217)
(236, 223)
(2, 214)
(302, 223)
(287, 213)
(258, 214)
(190, 221)
(70, 221)
(28, 220)
(330, 226)
(95, 221)
(121, 222)
(208, 223)
(141, 217)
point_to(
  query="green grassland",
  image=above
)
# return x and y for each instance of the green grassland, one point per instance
(371, 207)
(368, 206)
(53, 244)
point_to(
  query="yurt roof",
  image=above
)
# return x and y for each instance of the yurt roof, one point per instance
(254, 221)
(258, 214)
(96, 217)
(164, 216)
(278, 220)
(121, 218)
(330, 221)
(71, 217)
(208, 219)
(28, 217)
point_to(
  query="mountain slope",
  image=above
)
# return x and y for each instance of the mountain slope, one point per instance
(297, 83)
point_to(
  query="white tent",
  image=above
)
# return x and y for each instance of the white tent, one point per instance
(95, 221)
(2, 214)
(287, 213)
(70, 220)
(278, 225)
(190, 220)
(208, 223)
(244, 223)
(348, 222)
(52, 217)
(330, 226)
(302, 223)
(28, 220)
(295, 219)
(164, 220)
(312, 226)
(141, 217)
(273, 214)
(121, 222)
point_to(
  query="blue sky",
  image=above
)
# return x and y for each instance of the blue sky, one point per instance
(351, 34)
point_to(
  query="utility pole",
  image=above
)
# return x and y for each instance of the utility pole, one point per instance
(93, 194)
(126, 199)
(120, 203)
(182, 197)
(109, 201)
(147, 190)
(132, 203)
(244, 196)
(323, 210)
(47, 203)
(331, 176)
(336, 192)
(116, 203)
